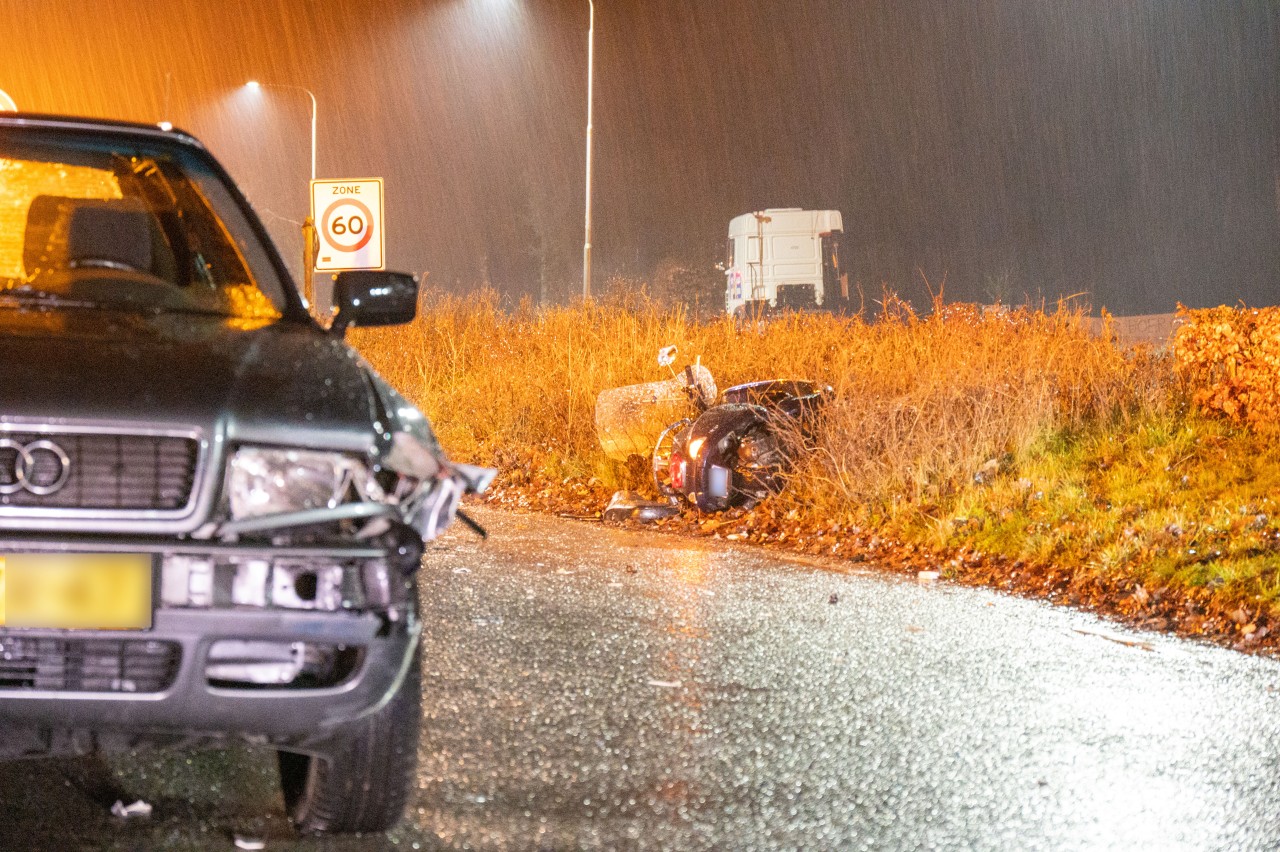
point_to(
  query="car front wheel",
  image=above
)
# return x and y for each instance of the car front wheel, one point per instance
(365, 785)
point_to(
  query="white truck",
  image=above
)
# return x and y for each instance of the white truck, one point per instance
(800, 267)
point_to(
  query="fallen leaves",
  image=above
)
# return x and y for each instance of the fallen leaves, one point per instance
(1231, 359)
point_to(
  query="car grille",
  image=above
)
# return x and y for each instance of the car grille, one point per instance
(121, 472)
(87, 665)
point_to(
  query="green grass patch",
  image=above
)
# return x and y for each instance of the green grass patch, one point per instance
(1168, 500)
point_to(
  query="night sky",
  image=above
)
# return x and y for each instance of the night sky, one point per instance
(1023, 148)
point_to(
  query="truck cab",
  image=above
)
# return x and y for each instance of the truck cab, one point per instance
(785, 259)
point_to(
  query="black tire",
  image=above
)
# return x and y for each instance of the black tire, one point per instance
(365, 786)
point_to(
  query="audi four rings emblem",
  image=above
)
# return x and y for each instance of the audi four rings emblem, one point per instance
(38, 467)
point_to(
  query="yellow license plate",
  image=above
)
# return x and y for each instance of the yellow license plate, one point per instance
(76, 591)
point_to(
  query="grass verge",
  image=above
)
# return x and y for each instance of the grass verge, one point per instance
(1010, 449)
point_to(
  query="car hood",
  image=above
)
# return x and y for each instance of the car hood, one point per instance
(277, 382)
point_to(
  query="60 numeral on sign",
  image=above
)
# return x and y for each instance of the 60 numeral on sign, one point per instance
(355, 225)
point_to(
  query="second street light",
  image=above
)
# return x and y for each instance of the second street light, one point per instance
(308, 224)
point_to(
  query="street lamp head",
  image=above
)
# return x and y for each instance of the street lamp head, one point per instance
(255, 86)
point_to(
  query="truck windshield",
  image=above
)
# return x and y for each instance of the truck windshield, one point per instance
(106, 221)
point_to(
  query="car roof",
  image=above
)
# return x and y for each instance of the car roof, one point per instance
(100, 125)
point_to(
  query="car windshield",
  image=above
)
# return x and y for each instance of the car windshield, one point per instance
(109, 221)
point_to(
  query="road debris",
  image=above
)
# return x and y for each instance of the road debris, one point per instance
(138, 810)
(249, 841)
(928, 576)
(1119, 640)
(666, 684)
(630, 506)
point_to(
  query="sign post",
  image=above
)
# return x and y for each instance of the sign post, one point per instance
(348, 219)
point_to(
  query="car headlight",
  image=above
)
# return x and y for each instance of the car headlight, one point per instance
(262, 481)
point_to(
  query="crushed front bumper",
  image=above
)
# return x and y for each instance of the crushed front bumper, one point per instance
(192, 706)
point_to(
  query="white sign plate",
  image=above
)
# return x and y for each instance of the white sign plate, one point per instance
(349, 224)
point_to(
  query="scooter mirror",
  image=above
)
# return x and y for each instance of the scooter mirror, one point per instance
(666, 356)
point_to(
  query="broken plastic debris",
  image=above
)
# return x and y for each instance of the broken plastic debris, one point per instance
(928, 576)
(138, 809)
(666, 684)
(626, 505)
(246, 841)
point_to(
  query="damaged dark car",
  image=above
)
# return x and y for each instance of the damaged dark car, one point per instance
(212, 510)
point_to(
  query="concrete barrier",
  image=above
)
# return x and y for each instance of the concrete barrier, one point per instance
(1155, 329)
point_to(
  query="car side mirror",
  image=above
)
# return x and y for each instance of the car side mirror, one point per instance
(373, 297)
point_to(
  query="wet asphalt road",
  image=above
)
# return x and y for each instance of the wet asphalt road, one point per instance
(594, 688)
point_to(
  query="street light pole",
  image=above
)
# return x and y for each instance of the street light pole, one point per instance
(308, 224)
(586, 246)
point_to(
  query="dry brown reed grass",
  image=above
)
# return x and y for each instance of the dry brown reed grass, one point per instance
(921, 404)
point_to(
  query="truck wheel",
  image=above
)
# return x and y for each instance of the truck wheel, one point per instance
(366, 784)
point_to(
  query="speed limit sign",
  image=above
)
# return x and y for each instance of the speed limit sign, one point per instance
(348, 220)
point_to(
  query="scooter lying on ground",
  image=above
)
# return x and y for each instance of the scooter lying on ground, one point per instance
(712, 453)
